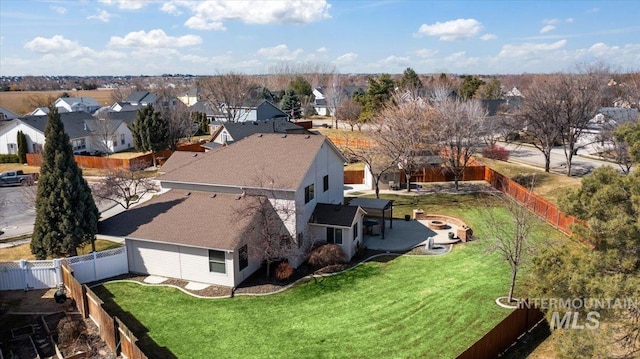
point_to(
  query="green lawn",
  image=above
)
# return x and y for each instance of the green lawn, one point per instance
(406, 307)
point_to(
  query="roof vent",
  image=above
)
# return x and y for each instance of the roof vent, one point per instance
(308, 137)
(255, 123)
(214, 195)
(188, 194)
(284, 136)
(260, 135)
(195, 155)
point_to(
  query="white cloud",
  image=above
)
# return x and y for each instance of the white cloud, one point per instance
(459, 29)
(487, 37)
(397, 60)
(154, 39)
(569, 20)
(211, 15)
(601, 49)
(127, 4)
(347, 58)
(322, 49)
(460, 60)
(550, 21)
(280, 53)
(547, 29)
(58, 45)
(528, 50)
(58, 9)
(103, 16)
(170, 8)
(426, 53)
(594, 10)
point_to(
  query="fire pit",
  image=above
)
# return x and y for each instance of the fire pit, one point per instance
(438, 225)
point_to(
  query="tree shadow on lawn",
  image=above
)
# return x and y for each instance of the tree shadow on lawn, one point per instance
(150, 348)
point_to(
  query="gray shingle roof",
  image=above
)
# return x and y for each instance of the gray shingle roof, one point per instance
(332, 214)
(196, 219)
(74, 123)
(283, 159)
(240, 130)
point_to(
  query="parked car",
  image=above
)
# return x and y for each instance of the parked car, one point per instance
(10, 178)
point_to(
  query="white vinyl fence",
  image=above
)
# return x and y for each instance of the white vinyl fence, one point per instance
(47, 274)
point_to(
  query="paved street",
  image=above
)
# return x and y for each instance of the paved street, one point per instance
(532, 156)
(16, 210)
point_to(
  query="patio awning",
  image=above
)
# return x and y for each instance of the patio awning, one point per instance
(375, 204)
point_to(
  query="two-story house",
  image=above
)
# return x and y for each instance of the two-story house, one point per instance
(198, 230)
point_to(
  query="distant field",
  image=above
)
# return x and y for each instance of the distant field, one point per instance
(15, 100)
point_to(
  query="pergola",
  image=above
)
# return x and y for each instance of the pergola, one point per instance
(374, 206)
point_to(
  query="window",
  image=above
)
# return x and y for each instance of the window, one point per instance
(78, 144)
(300, 239)
(122, 139)
(216, 262)
(243, 257)
(309, 193)
(13, 148)
(225, 137)
(334, 235)
(355, 230)
(325, 181)
(115, 142)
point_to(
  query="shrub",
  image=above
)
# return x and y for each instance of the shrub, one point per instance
(326, 255)
(9, 159)
(496, 153)
(525, 179)
(283, 271)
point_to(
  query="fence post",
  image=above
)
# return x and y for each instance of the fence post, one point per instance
(95, 271)
(57, 266)
(23, 266)
(116, 335)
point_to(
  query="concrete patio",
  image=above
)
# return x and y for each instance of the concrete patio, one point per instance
(406, 235)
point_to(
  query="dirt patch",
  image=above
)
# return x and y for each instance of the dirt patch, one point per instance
(33, 301)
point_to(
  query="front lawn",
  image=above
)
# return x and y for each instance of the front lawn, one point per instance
(405, 307)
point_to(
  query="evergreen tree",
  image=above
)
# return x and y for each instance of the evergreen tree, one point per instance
(202, 121)
(150, 131)
(376, 97)
(22, 147)
(66, 215)
(291, 104)
(410, 80)
(469, 86)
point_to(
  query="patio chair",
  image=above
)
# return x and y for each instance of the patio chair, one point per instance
(393, 185)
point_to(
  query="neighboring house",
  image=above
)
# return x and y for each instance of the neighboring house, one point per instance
(514, 92)
(229, 132)
(33, 127)
(41, 111)
(6, 115)
(197, 230)
(259, 110)
(190, 97)
(320, 102)
(607, 119)
(87, 133)
(76, 104)
(141, 98)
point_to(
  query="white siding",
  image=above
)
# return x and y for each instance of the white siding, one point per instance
(195, 267)
(153, 258)
(10, 135)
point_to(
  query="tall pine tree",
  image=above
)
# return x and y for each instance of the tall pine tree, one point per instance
(150, 131)
(291, 104)
(66, 215)
(22, 147)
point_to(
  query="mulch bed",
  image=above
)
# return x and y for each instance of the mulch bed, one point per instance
(258, 283)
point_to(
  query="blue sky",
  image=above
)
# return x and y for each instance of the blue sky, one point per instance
(147, 37)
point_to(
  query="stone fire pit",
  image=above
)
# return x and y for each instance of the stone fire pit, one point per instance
(438, 225)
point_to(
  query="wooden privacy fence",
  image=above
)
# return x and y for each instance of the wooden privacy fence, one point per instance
(146, 160)
(353, 176)
(342, 142)
(442, 174)
(540, 206)
(503, 335)
(112, 330)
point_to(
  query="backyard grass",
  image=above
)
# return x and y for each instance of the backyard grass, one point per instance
(548, 185)
(23, 251)
(408, 306)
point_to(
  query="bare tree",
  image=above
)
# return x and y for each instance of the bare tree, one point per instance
(401, 130)
(349, 112)
(579, 99)
(378, 161)
(457, 132)
(511, 234)
(103, 130)
(336, 98)
(228, 93)
(268, 235)
(125, 188)
(121, 93)
(540, 116)
(178, 118)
